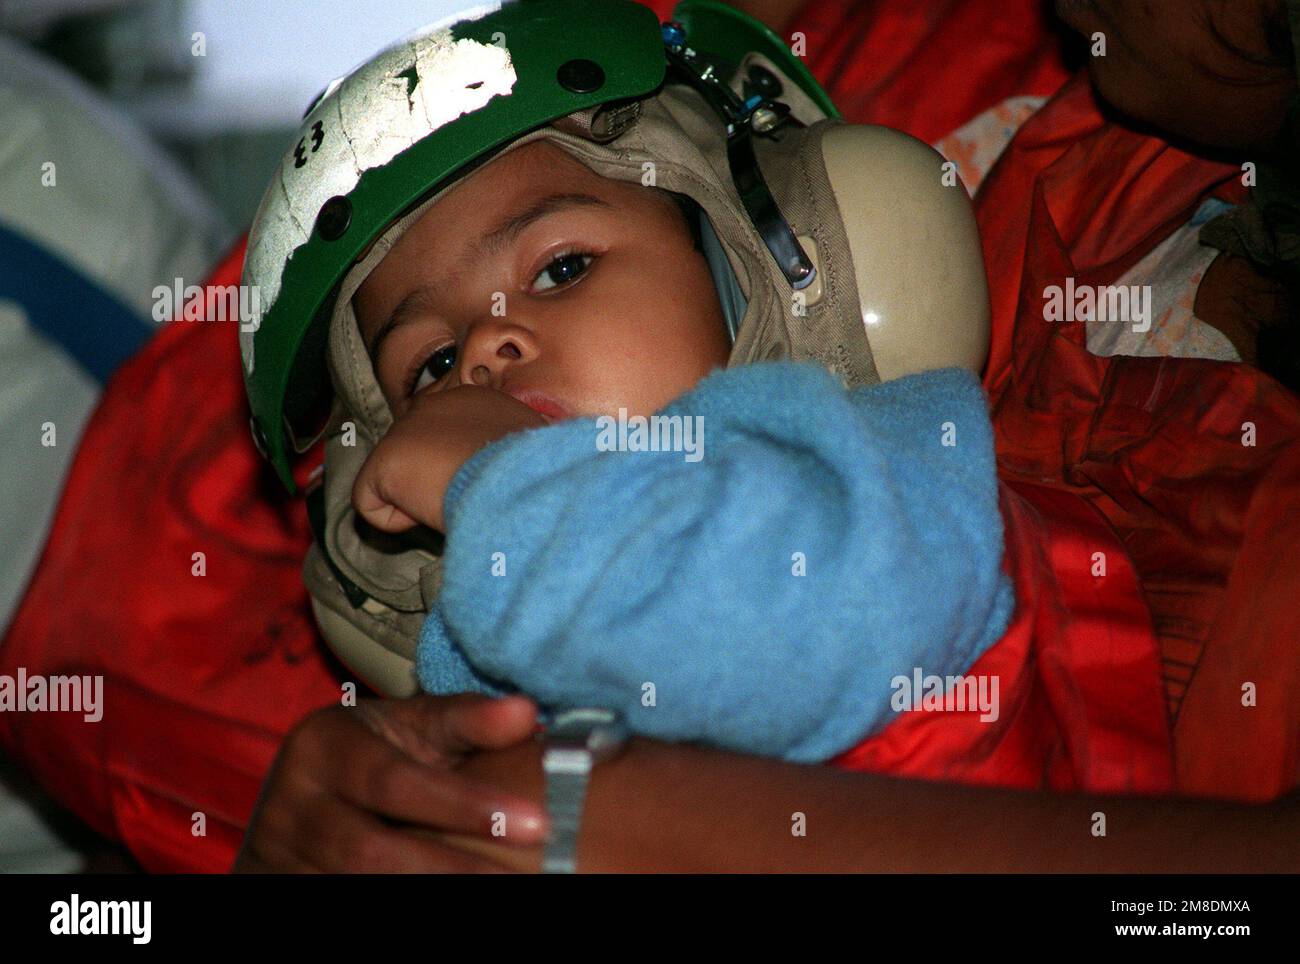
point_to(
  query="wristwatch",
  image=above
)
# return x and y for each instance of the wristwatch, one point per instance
(576, 740)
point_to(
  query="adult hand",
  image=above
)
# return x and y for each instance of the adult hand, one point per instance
(347, 778)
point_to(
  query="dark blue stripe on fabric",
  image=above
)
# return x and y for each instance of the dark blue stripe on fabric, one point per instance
(84, 318)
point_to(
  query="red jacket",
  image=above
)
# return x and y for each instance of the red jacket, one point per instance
(1081, 705)
(1155, 445)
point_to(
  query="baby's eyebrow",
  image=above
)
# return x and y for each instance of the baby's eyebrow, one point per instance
(491, 242)
(505, 232)
(421, 297)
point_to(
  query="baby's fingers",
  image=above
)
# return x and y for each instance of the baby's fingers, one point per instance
(371, 500)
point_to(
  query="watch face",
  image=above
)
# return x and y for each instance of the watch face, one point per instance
(582, 719)
(598, 731)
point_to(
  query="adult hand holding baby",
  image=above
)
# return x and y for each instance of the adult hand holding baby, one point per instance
(351, 786)
(404, 481)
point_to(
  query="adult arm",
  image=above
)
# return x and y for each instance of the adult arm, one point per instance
(664, 807)
(456, 770)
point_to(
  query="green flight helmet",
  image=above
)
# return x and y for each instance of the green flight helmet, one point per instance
(425, 112)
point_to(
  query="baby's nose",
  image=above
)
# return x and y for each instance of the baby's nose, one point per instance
(490, 348)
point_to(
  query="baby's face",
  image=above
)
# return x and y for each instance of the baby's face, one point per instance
(576, 294)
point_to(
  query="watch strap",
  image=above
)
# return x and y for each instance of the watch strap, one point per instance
(576, 740)
(568, 771)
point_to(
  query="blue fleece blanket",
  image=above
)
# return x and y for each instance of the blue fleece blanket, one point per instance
(756, 589)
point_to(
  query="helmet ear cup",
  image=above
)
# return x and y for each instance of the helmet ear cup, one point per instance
(917, 260)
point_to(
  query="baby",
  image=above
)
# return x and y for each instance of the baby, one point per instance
(761, 597)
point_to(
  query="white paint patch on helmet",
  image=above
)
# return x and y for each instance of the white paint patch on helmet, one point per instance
(377, 112)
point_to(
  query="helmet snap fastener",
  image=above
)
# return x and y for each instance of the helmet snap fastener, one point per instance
(334, 217)
(580, 76)
(764, 120)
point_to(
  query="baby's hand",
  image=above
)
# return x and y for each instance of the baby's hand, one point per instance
(405, 479)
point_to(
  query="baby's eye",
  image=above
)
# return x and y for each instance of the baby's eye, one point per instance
(561, 270)
(434, 368)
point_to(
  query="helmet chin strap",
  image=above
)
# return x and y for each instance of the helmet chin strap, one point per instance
(743, 118)
(730, 296)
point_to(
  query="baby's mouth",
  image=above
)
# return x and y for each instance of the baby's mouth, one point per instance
(541, 403)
